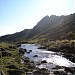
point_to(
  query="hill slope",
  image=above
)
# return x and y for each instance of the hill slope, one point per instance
(19, 36)
(61, 29)
(45, 23)
(53, 27)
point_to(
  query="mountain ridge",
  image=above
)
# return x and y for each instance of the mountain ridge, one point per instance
(53, 27)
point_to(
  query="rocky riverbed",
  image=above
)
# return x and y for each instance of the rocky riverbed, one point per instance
(52, 60)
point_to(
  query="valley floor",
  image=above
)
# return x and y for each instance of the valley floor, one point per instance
(11, 55)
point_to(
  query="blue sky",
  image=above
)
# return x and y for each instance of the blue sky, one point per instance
(16, 15)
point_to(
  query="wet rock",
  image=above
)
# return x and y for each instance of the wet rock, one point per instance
(44, 61)
(42, 47)
(71, 57)
(59, 73)
(30, 50)
(54, 49)
(32, 62)
(35, 56)
(25, 50)
(57, 67)
(26, 61)
(38, 63)
(69, 69)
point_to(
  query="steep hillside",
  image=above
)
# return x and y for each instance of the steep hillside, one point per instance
(53, 27)
(45, 23)
(61, 29)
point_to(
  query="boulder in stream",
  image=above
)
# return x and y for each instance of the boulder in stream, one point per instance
(44, 61)
(35, 56)
(42, 47)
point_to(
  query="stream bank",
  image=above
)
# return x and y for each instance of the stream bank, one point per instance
(52, 59)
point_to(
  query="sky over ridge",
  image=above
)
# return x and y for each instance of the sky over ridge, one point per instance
(16, 15)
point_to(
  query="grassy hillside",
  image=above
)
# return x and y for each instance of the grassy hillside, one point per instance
(10, 60)
(51, 28)
(60, 30)
(13, 61)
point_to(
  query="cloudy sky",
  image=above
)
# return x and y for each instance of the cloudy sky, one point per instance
(16, 15)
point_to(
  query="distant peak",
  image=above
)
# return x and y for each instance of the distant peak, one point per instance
(46, 16)
(54, 16)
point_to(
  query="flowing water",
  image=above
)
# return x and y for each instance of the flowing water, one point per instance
(52, 58)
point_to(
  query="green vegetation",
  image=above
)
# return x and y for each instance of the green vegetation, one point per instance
(54, 32)
(71, 36)
(67, 47)
(10, 60)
